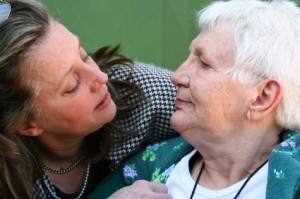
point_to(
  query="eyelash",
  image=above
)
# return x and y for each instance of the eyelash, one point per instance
(86, 58)
(205, 65)
(78, 82)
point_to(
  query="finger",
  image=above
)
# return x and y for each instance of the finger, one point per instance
(153, 186)
(158, 187)
(163, 196)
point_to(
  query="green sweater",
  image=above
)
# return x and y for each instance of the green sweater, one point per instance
(157, 161)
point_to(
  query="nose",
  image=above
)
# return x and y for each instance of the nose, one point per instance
(181, 76)
(99, 79)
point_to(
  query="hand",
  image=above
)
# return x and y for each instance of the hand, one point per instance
(142, 189)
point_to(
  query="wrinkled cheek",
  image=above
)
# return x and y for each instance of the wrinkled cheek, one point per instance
(203, 113)
(227, 107)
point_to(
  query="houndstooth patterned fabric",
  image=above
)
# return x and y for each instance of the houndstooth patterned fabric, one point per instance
(40, 190)
(151, 118)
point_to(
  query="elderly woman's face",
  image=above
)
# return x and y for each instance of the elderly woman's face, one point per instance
(73, 95)
(207, 100)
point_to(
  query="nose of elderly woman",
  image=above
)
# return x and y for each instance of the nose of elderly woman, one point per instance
(181, 76)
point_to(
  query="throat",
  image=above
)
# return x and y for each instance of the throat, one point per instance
(197, 168)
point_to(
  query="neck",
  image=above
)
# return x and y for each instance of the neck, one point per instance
(54, 150)
(240, 189)
(231, 162)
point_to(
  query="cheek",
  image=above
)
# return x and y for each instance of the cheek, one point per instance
(231, 101)
(77, 105)
(211, 99)
(71, 109)
(79, 113)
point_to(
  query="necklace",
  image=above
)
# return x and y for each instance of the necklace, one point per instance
(242, 187)
(62, 170)
(195, 185)
(52, 190)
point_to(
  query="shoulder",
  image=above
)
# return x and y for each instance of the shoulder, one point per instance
(150, 117)
(146, 70)
(139, 73)
(290, 146)
(154, 163)
(155, 81)
(284, 167)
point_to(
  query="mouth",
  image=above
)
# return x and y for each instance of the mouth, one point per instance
(180, 103)
(105, 102)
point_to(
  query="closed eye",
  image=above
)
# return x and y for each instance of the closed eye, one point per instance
(204, 65)
(75, 88)
(86, 58)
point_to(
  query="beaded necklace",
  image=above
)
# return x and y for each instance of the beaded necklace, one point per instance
(52, 190)
(239, 191)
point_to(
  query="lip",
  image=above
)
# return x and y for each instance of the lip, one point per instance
(179, 103)
(104, 103)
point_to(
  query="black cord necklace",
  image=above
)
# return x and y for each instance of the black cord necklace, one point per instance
(242, 187)
(195, 185)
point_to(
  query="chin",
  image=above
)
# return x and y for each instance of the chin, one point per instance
(112, 112)
(108, 115)
(177, 122)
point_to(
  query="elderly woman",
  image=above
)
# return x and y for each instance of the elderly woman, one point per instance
(63, 122)
(237, 103)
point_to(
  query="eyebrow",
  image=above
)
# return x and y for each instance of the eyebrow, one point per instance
(199, 51)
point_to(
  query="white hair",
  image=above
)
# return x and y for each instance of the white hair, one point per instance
(266, 36)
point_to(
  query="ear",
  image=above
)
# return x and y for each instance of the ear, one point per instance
(30, 130)
(269, 95)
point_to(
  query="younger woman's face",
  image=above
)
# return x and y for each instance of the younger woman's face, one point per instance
(72, 92)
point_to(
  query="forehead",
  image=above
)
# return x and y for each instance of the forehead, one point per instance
(55, 46)
(53, 55)
(215, 44)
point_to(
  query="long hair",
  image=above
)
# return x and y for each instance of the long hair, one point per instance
(266, 35)
(26, 26)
